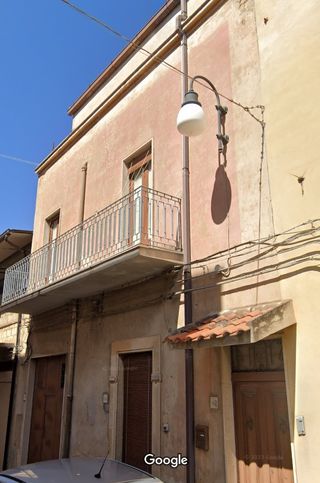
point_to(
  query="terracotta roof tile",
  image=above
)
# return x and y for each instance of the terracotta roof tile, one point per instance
(223, 324)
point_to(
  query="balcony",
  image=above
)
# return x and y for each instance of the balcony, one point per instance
(136, 237)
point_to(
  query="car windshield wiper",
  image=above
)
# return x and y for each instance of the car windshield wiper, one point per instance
(13, 478)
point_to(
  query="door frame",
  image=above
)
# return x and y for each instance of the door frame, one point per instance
(288, 337)
(145, 344)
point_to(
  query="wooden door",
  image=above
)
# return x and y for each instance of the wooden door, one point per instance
(262, 428)
(44, 439)
(137, 408)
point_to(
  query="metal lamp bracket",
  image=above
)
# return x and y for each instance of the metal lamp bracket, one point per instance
(223, 109)
(224, 138)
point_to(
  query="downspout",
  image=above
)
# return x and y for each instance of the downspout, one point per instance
(70, 379)
(189, 372)
(12, 394)
(74, 330)
(84, 171)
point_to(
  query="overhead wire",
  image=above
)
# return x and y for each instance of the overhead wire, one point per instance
(265, 240)
(293, 242)
(269, 269)
(247, 245)
(137, 47)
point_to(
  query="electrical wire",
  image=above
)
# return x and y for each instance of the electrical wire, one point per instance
(251, 243)
(293, 242)
(244, 247)
(137, 47)
(269, 269)
(260, 195)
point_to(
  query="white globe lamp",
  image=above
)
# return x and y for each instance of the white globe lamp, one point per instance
(191, 119)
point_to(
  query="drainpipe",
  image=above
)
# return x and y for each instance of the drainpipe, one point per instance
(84, 171)
(12, 394)
(74, 329)
(189, 375)
(70, 378)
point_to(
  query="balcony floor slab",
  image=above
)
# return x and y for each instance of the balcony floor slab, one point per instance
(129, 267)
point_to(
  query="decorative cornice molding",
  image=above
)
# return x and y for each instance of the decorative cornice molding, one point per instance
(166, 48)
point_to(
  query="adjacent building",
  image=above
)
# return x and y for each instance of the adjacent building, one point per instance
(14, 245)
(105, 372)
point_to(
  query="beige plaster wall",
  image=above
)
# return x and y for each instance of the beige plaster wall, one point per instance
(209, 464)
(5, 388)
(8, 328)
(95, 337)
(16, 456)
(289, 49)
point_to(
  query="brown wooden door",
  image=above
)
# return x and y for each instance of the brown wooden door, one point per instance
(46, 410)
(262, 428)
(137, 408)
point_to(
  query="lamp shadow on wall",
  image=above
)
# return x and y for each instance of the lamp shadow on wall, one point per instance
(221, 196)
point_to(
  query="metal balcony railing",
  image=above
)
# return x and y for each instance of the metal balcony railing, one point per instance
(144, 217)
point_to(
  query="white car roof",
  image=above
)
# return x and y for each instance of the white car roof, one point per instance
(80, 470)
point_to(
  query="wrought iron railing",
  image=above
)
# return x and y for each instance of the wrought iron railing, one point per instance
(143, 217)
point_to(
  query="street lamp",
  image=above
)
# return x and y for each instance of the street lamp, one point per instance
(191, 122)
(191, 118)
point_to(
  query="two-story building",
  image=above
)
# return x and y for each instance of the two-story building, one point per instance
(104, 283)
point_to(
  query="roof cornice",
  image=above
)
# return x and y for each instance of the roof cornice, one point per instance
(166, 48)
(123, 56)
(10, 231)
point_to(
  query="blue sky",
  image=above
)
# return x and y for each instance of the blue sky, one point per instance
(49, 54)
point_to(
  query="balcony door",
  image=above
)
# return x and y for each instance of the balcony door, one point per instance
(52, 250)
(140, 213)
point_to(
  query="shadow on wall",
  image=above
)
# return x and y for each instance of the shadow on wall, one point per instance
(206, 295)
(221, 196)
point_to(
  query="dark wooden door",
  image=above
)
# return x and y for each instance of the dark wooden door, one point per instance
(262, 428)
(137, 408)
(46, 410)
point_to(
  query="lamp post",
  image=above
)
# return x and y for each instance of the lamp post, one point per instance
(191, 122)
